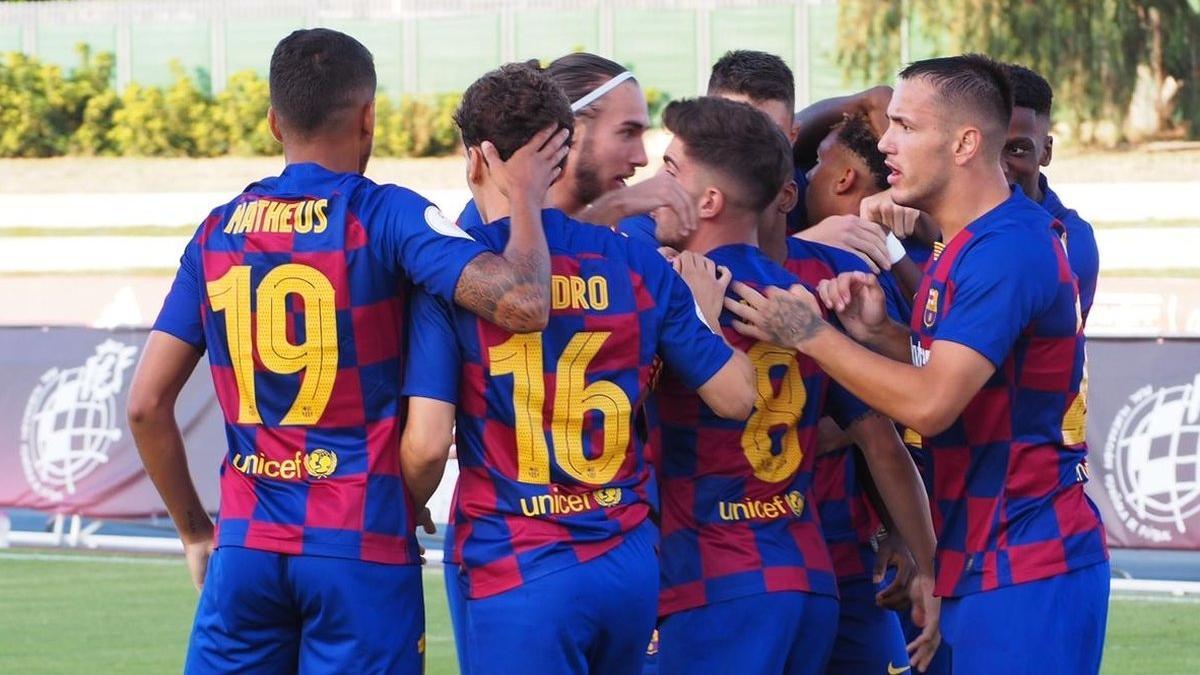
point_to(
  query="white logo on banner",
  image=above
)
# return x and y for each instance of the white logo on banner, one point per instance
(70, 421)
(1152, 461)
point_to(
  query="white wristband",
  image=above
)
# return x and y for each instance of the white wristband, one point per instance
(896, 250)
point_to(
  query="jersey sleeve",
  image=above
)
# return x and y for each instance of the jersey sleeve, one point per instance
(470, 216)
(640, 227)
(685, 342)
(999, 286)
(845, 408)
(414, 235)
(434, 359)
(181, 313)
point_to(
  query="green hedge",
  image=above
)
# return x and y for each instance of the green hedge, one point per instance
(47, 113)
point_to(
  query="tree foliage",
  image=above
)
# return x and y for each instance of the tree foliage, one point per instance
(1096, 53)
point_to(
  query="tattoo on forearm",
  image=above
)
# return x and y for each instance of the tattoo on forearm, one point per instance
(789, 320)
(512, 291)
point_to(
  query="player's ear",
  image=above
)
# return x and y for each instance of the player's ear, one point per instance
(712, 202)
(846, 181)
(273, 122)
(476, 166)
(368, 120)
(967, 145)
(1047, 152)
(793, 133)
(789, 196)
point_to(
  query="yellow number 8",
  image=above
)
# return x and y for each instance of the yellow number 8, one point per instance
(774, 410)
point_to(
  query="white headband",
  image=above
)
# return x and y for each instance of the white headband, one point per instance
(596, 93)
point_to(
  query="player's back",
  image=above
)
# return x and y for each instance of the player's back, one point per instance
(736, 495)
(1008, 474)
(551, 469)
(302, 321)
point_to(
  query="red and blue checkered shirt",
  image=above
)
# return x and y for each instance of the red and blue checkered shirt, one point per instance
(848, 519)
(1008, 474)
(737, 515)
(551, 469)
(297, 290)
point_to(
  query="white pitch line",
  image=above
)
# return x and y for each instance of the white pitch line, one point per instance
(63, 557)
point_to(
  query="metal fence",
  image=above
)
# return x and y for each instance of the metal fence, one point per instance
(423, 46)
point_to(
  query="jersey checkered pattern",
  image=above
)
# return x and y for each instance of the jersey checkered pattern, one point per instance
(297, 290)
(737, 496)
(1008, 475)
(847, 518)
(551, 470)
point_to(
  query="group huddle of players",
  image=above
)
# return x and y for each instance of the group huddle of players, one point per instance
(810, 399)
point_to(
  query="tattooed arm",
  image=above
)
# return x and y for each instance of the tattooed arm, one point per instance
(926, 399)
(513, 290)
(166, 364)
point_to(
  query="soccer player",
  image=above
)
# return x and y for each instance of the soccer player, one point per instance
(1030, 147)
(611, 118)
(553, 501)
(740, 539)
(994, 343)
(848, 169)
(296, 290)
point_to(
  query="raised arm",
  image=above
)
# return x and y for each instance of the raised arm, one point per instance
(512, 290)
(815, 121)
(165, 366)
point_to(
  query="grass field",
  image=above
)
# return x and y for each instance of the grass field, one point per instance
(76, 613)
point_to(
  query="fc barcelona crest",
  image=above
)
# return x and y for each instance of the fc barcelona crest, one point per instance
(931, 308)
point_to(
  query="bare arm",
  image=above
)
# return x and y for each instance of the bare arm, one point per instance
(926, 399)
(815, 121)
(425, 446)
(513, 290)
(731, 392)
(165, 366)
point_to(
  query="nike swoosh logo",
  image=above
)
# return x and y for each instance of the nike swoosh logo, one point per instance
(893, 670)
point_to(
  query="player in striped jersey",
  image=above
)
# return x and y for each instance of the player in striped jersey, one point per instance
(996, 363)
(552, 507)
(740, 538)
(296, 289)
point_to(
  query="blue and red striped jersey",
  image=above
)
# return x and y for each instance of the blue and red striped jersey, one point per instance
(737, 515)
(1082, 253)
(551, 470)
(848, 520)
(296, 289)
(1008, 475)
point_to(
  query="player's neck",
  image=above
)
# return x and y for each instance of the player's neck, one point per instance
(335, 157)
(772, 238)
(562, 197)
(964, 201)
(713, 234)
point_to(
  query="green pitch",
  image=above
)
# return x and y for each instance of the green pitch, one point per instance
(65, 612)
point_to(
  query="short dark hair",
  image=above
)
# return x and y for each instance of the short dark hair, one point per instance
(757, 75)
(579, 73)
(509, 105)
(972, 81)
(736, 140)
(854, 132)
(317, 72)
(1030, 90)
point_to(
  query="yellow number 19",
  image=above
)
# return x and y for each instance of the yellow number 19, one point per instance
(317, 355)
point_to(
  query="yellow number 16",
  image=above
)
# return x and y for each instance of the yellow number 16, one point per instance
(317, 355)
(521, 357)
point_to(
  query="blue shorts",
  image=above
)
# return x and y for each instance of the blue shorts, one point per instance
(594, 617)
(869, 639)
(457, 602)
(942, 663)
(785, 632)
(263, 612)
(1053, 625)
